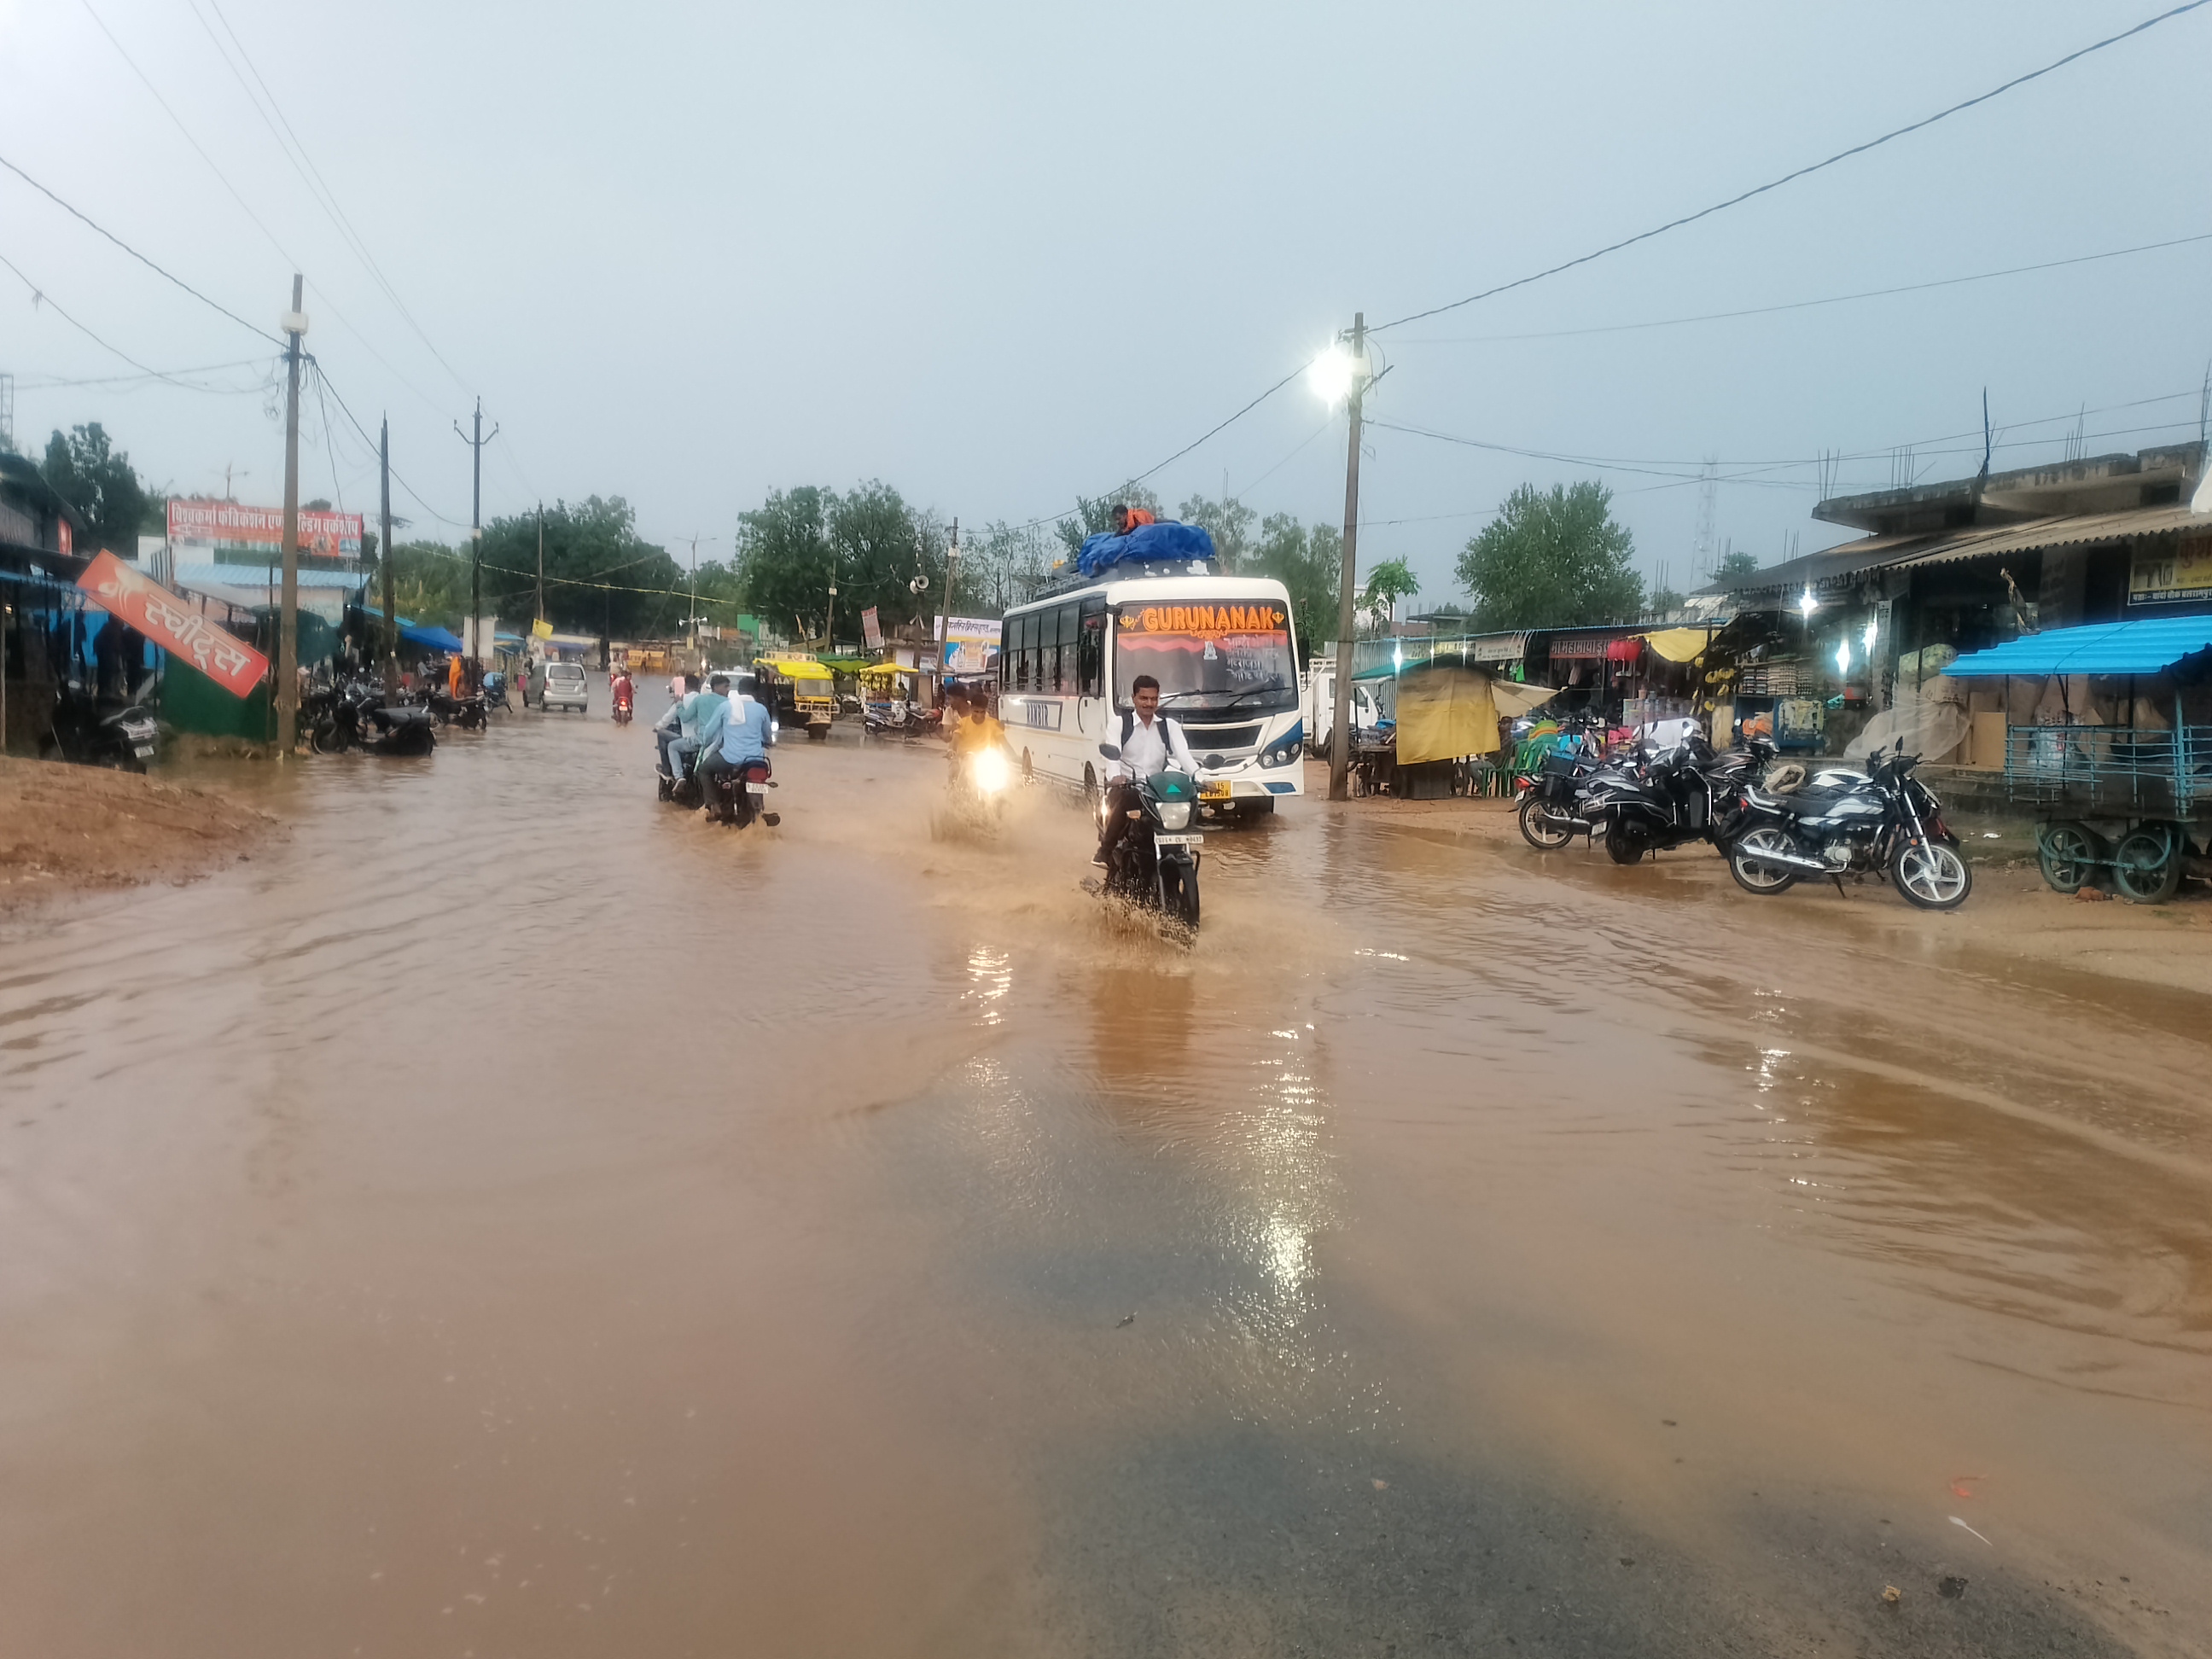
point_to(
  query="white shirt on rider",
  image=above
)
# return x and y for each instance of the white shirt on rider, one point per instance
(1153, 747)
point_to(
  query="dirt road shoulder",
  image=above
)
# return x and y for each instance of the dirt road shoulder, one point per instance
(79, 829)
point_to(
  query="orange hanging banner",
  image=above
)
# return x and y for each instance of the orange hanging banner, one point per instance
(138, 601)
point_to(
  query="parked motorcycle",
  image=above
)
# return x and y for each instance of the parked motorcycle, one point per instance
(88, 730)
(1155, 866)
(353, 716)
(1837, 824)
(467, 713)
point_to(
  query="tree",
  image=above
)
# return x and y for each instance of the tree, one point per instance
(599, 576)
(89, 472)
(1663, 602)
(1388, 583)
(1005, 565)
(1735, 564)
(783, 560)
(1228, 522)
(879, 551)
(1096, 517)
(1306, 561)
(429, 585)
(1552, 559)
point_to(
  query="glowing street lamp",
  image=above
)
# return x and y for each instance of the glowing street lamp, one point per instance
(1333, 373)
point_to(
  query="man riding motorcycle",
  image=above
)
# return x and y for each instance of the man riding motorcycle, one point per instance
(673, 727)
(623, 694)
(1151, 743)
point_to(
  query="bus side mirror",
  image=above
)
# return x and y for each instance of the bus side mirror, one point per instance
(1109, 752)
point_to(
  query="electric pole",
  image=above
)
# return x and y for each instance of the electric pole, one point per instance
(540, 614)
(391, 611)
(1339, 744)
(294, 324)
(951, 564)
(475, 527)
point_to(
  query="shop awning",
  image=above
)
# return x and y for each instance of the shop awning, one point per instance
(2071, 530)
(431, 638)
(1680, 644)
(2148, 647)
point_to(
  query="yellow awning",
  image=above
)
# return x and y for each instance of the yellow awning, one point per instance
(1680, 644)
(885, 671)
(793, 669)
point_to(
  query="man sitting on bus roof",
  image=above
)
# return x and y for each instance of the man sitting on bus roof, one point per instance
(1126, 518)
(1151, 743)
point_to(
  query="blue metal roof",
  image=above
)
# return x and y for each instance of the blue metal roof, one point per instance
(2147, 647)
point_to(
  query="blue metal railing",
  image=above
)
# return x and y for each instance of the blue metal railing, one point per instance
(2115, 768)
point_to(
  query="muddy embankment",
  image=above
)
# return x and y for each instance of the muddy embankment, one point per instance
(69, 829)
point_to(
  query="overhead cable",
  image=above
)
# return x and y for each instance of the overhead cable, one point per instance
(1803, 172)
(165, 274)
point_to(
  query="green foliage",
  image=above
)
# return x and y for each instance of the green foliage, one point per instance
(1663, 602)
(1229, 522)
(880, 551)
(89, 472)
(1735, 564)
(1003, 565)
(1551, 561)
(595, 565)
(429, 583)
(1388, 583)
(1308, 561)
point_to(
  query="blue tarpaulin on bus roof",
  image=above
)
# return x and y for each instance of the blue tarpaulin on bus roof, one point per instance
(2146, 646)
(1148, 543)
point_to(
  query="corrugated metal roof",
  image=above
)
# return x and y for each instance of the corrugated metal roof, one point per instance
(2147, 647)
(2073, 530)
(1814, 569)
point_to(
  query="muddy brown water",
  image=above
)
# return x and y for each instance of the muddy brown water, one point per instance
(511, 1217)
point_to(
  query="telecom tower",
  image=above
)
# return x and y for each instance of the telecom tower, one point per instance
(1701, 554)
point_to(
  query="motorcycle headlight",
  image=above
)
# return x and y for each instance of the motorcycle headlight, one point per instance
(1174, 814)
(987, 771)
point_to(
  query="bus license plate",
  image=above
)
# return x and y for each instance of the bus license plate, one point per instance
(1213, 789)
(1177, 841)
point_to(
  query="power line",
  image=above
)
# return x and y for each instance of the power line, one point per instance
(325, 378)
(310, 174)
(40, 297)
(1803, 172)
(1802, 305)
(165, 274)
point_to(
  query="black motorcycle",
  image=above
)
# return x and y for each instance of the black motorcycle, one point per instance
(90, 730)
(738, 794)
(468, 713)
(1689, 792)
(354, 715)
(1155, 866)
(1886, 823)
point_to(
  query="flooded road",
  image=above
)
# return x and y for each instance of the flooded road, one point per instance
(513, 1218)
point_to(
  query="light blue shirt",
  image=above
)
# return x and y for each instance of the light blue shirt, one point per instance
(746, 733)
(708, 711)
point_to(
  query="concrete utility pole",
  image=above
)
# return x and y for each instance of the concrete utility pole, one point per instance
(541, 561)
(294, 324)
(1340, 743)
(391, 611)
(951, 564)
(473, 646)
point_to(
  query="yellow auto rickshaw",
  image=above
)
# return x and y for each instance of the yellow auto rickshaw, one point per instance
(801, 691)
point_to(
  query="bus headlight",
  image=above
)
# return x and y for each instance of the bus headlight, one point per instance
(1174, 815)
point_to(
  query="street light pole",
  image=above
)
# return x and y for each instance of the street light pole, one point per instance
(1339, 745)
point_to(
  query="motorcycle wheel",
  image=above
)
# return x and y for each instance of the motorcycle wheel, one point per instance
(1755, 874)
(1930, 875)
(1179, 894)
(1624, 845)
(325, 738)
(1540, 828)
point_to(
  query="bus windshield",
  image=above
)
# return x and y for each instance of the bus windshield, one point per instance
(1208, 658)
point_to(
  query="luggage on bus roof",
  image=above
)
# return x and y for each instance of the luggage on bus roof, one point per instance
(1148, 543)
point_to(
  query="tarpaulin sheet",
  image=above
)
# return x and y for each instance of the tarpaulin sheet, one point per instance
(1680, 644)
(1148, 543)
(1443, 714)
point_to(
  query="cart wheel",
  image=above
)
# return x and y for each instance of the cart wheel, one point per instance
(2147, 865)
(2070, 854)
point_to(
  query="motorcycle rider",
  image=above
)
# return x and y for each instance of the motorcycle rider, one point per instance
(972, 728)
(747, 732)
(1150, 742)
(620, 691)
(673, 727)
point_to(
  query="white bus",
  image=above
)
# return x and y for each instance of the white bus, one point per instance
(1221, 649)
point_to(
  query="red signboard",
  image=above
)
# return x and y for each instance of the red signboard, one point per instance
(142, 603)
(227, 524)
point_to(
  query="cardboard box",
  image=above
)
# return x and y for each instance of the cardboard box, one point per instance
(1985, 742)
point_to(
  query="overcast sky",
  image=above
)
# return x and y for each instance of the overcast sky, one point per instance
(996, 254)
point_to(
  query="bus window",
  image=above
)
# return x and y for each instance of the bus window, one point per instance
(1025, 653)
(1048, 650)
(1006, 657)
(1090, 650)
(1063, 667)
